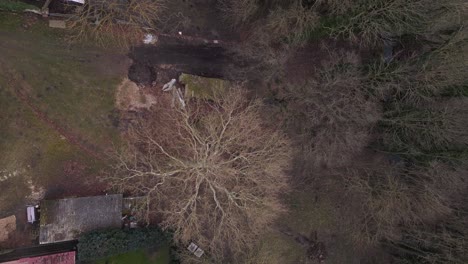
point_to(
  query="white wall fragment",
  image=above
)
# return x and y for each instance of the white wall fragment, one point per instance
(176, 93)
(199, 252)
(150, 39)
(192, 247)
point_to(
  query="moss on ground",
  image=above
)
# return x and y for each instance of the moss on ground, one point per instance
(276, 248)
(200, 87)
(141, 256)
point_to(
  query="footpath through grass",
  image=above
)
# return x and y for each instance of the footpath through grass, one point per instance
(72, 87)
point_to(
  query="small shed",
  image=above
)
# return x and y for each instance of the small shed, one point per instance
(66, 219)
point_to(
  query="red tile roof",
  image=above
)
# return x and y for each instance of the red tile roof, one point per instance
(61, 258)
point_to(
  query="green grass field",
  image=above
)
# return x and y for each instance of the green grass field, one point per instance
(72, 86)
(14, 6)
(139, 257)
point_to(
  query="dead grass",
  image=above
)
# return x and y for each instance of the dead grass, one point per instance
(131, 97)
(291, 24)
(112, 23)
(238, 12)
(7, 226)
(275, 248)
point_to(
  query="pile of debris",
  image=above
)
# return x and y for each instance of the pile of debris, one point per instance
(7, 227)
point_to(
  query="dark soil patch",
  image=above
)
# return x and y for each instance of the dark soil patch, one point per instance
(203, 60)
(74, 184)
(408, 47)
(142, 74)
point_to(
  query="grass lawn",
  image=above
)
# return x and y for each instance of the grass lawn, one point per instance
(72, 86)
(14, 5)
(305, 216)
(139, 257)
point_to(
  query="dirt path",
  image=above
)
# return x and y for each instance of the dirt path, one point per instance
(20, 88)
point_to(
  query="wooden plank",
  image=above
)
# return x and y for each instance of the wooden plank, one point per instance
(57, 24)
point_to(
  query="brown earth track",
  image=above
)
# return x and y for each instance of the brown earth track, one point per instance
(20, 88)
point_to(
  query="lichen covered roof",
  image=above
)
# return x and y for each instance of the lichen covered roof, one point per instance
(66, 219)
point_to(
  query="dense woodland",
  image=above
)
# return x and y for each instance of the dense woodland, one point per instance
(357, 109)
(361, 102)
(383, 135)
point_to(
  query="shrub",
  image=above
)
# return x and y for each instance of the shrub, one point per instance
(368, 21)
(102, 244)
(426, 131)
(291, 24)
(238, 12)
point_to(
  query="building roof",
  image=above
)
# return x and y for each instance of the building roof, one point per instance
(61, 258)
(66, 219)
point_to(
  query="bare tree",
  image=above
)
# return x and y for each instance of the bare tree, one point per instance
(239, 11)
(212, 171)
(367, 21)
(394, 197)
(331, 113)
(275, 30)
(427, 130)
(440, 243)
(420, 79)
(293, 23)
(116, 22)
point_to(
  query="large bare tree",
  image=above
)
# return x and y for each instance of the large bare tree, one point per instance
(213, 171)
